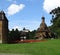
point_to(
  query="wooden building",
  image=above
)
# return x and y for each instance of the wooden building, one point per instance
(43, 31)
(3, 27)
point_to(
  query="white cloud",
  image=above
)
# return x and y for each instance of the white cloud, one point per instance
(48, 5)
(17, 27)
(13, 9)
(28, 24)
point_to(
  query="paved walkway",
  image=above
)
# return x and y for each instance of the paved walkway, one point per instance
(12, 54)
(9, 54)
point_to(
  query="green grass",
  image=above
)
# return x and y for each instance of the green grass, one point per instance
(50, 47)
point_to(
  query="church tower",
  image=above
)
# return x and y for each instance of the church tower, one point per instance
(43, 26)
(3, 27)
(43, 31)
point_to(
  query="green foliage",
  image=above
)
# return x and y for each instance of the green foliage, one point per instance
(55, 21)
(49, 47)
(55, 12)
(13, 35)
(31, 34)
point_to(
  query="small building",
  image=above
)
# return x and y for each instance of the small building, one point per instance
(24, 34)
(43, 31)
(3, 27)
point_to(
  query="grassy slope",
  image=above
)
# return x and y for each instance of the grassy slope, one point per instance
(50, 47)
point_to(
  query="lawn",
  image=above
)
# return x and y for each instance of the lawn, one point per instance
(49, 47)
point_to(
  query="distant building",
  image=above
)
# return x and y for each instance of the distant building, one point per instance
(24, 34)
(25, 30)
(43, 31)
(3, 27)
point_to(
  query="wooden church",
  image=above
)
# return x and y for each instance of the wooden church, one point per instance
(3, 27)
(43, 31)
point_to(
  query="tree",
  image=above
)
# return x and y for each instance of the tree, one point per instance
(56, 20)
(31, 35)
(13, 35)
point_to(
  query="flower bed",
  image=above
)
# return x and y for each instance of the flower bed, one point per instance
(29, 41)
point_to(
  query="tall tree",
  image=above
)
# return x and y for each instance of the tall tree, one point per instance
(56, 20)
(13, 35)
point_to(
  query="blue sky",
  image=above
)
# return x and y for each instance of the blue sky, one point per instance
(27, 13)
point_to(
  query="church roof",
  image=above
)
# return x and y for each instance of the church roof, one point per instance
(2, 16)
(43, 26)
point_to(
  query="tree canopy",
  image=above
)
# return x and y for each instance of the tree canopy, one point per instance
(56, 20)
